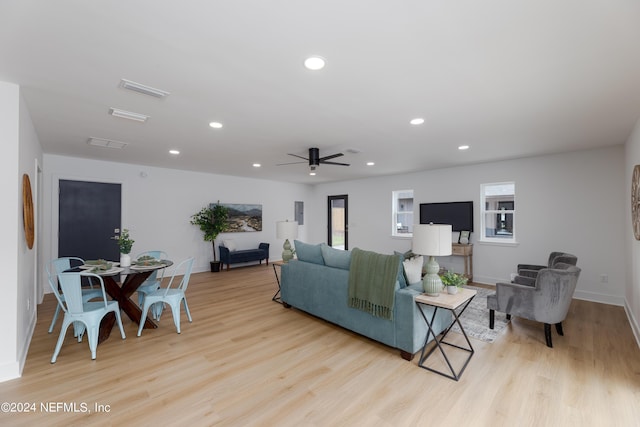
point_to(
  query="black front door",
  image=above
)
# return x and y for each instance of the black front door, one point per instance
(89, 217)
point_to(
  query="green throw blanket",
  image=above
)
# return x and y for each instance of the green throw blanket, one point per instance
(372, 280)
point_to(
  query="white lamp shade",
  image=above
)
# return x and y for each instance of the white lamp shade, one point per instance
(432, 239)
(286, 229)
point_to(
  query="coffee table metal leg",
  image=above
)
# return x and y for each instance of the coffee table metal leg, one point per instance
(276, 296)
(439, 342)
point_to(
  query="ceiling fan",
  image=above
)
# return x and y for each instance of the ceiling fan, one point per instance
(315, 160)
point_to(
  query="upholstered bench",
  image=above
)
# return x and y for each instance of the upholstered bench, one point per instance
(229, 255)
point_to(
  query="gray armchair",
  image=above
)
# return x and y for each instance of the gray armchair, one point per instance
(547, 301)
(531, 270)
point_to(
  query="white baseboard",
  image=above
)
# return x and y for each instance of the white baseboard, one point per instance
(632, 321)
(13, 370)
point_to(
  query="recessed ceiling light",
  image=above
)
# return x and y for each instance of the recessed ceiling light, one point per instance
(312, 173)
(116, 112)
(370, 163)
(215, 125)
(174, 152)
(314, 63)
(463, 147)
(256, 165)
(106, 143)
(417, 121)
(140, 88)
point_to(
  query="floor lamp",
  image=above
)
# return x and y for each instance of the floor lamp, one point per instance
(287, 230)
(432, 240)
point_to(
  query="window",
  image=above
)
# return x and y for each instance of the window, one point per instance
(402, 217)
(497, 202)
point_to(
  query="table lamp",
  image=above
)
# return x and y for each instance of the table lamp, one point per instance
(286, 230)
(432, 240)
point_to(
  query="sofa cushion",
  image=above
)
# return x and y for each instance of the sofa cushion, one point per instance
(337, 258)
(229, 244)
(413, 269)
(308, 253)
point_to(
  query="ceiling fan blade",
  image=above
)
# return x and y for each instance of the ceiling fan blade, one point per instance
(335, 163)
(300, 157)
(333, 156)
(290, 163)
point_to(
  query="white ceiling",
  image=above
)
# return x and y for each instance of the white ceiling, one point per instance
(509, 78)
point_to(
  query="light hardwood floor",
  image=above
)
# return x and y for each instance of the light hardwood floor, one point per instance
(246, 360)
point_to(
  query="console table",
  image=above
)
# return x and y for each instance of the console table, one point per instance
(466, 251)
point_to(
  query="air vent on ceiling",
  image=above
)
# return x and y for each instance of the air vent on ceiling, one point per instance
(147, 90)
(106, 143)
(116, 112)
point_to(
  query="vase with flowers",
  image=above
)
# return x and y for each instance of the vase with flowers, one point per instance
(125, 243)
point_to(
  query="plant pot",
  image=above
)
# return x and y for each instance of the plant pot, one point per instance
(125, 260)
(452, 290)
(215, 266)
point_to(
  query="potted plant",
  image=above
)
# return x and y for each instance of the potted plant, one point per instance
(125, 243)
(212, 221)
(452, 281)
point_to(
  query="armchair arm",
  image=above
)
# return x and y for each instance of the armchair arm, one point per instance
(264, 247)
(531, 267)
(524, 280)
(524, 272)
(512, 298)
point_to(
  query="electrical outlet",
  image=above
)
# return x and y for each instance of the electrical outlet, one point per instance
(604, 278)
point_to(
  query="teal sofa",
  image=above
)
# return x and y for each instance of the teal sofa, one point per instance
(317, 283)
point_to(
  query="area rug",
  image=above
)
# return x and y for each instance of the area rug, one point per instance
(475, 319)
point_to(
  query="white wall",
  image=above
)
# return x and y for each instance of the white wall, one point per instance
(9, 173)
(21, 149)
(157, 207)
(632, 289)
(28, 263)
(569, 202)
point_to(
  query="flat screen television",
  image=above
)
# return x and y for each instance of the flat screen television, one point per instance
(458, 214)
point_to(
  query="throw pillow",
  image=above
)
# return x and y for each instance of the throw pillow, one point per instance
(335, 257)
(402, 280)
(308, 253)
(413, 269)
(229, 244)
(402, 275)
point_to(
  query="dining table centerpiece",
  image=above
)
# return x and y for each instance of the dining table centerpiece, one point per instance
(125, 243)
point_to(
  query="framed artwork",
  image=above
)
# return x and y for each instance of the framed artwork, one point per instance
(464, 237)
(244, 217)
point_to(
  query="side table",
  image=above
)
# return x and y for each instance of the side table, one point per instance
(276, 296)
(456, 303)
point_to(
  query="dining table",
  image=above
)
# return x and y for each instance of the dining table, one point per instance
(120, 283)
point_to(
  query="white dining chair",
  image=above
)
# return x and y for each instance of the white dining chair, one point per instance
(152, 283)
(83, 314)
(171, 296)
(59, 265)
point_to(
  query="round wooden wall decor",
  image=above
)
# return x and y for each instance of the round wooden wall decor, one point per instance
(635, 201)
(27, 210)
